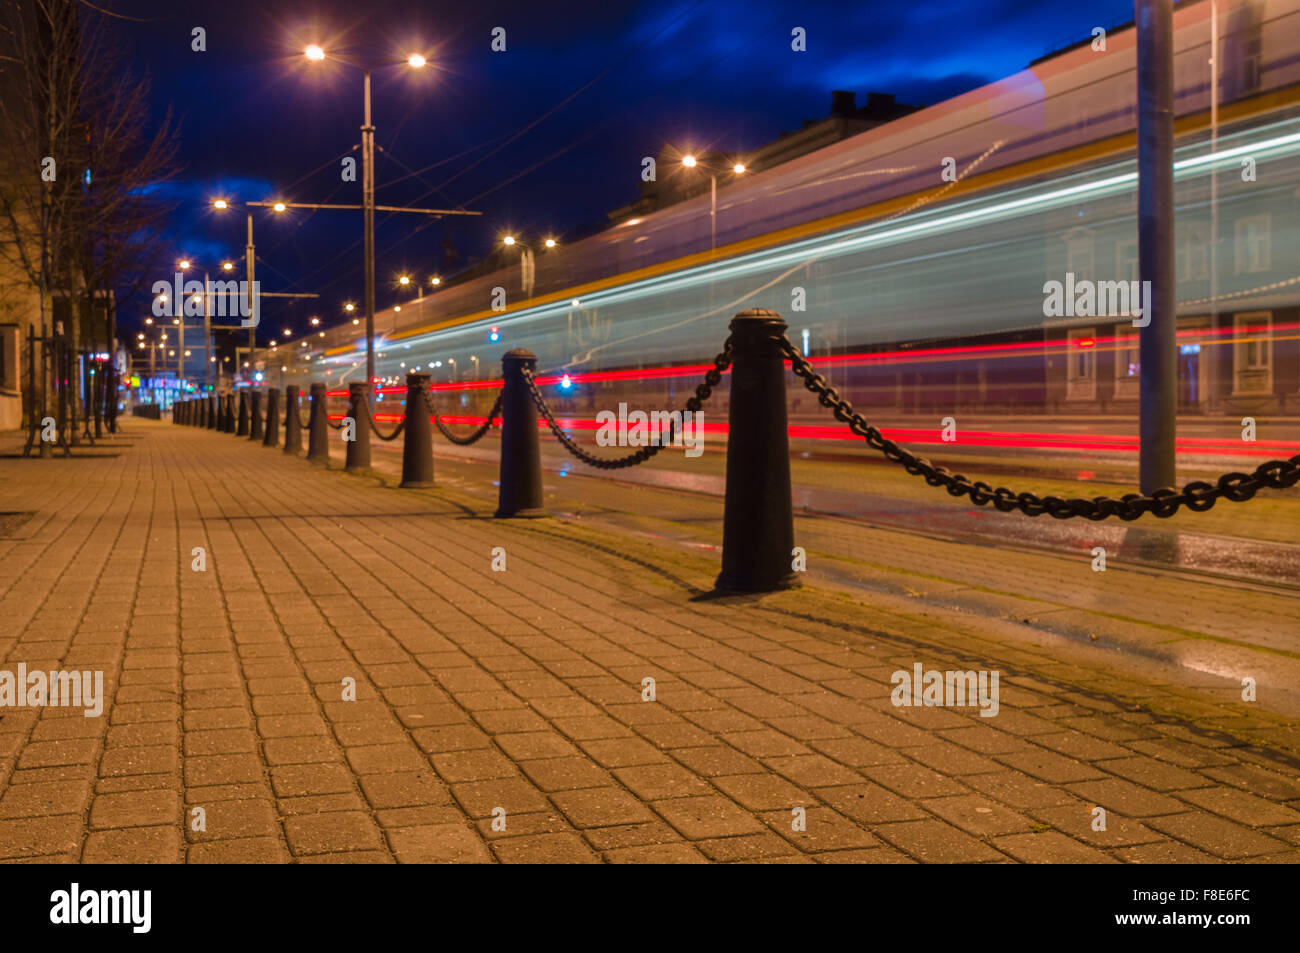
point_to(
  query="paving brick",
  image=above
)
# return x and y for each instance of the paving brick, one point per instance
(331, 833)
(696, 818)
(439, 844)
(544, 849)
(932, 841)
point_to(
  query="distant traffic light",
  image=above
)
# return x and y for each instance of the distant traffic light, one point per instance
(494, 334)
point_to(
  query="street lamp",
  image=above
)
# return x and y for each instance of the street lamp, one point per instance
(315, 53)
(690, 162)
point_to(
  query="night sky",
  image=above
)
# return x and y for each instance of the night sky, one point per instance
(544, 138)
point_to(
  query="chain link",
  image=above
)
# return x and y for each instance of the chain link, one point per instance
(711, 380)
(471, 438)
(397, 431)
(1198, 496)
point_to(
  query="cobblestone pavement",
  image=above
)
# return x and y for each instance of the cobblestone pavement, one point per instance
(516, 696)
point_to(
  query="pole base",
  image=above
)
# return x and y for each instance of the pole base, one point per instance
(530, 513)
(416, 485)
(733, 583)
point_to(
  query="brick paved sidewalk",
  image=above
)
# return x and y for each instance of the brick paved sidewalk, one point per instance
(482, 693)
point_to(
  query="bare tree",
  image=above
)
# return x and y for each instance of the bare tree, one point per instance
(79, 212)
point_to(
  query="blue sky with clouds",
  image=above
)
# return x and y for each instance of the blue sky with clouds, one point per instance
(257, 119)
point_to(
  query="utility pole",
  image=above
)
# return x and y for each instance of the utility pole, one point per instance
(1214, 173)
(207, 333)
(1158, 342)
(250, 256)
(368, 228)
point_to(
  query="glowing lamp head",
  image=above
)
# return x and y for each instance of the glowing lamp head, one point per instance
(349, 307)
(227, 266)
(550, 243)
(508, 240)
(435, 280)
(566, 382)
(404, 280)
(279, 206)
(315, 54)
(688, 161)
(416, 61)
(184, 263)
(221, 204)
(494, 334)
(738, 168)
(315, 322)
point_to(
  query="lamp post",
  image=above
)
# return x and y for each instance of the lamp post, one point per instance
(415, 61)
(527, 261)
(690, 162)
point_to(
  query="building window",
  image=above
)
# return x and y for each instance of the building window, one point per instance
(1126, 261)
(1252, 244)
(1252, 357)
(1127, 366)
(1081, 364)
(1079, 253)
(1192, 256)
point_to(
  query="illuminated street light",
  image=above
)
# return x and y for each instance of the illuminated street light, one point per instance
(184, 263)
(278, 206)
(404, 280)
(508, 240)
(315, 322)
(550, 243)
(738, 168)
(148, 320)
(435, 280)
(688, 161)
(221, 204)
(227, 266)
(414, 60)
(349, 307)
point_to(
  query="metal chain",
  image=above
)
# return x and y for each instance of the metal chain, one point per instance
(1198, 496)
(473, 437)
(711, 379)
(397, 431)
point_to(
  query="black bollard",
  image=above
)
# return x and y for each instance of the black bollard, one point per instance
(212, 411)
(178, 411)
(255, 415)
(271, 437)
(292, 422)
(521, 459)
(358, 457)
(203, 412)
(241, 428)
(318, 431)
(417, 450)
(230, 412)
(221, 413)
(758, 520)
